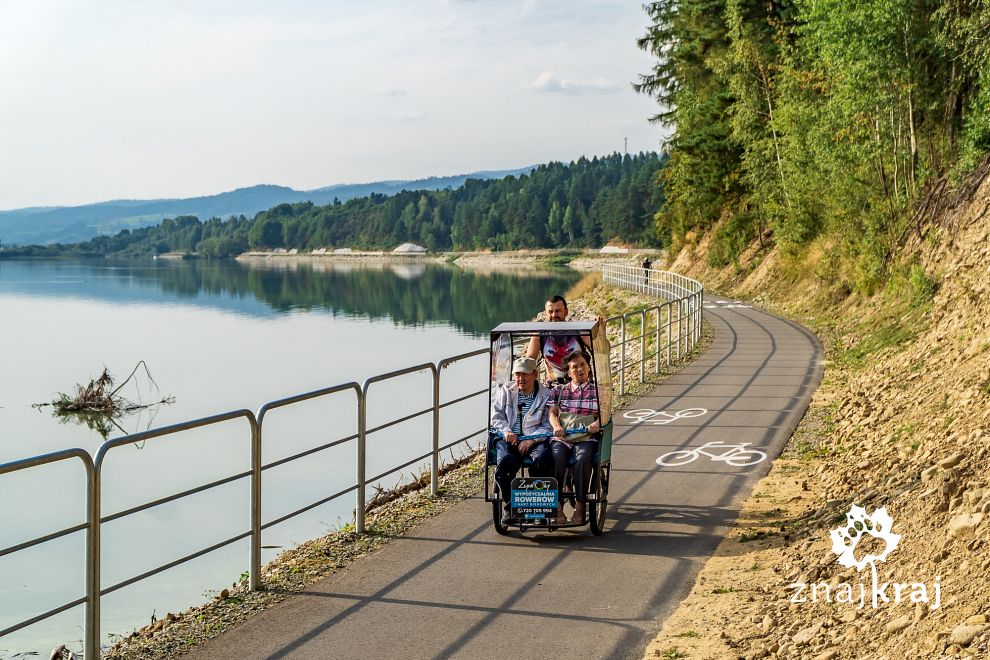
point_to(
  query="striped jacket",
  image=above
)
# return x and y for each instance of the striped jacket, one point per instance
(505, 402)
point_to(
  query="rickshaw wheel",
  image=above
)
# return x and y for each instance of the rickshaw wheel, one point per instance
(497, 518)
(596, 513)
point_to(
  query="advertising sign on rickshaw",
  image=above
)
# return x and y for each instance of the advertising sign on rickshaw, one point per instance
(534, 499)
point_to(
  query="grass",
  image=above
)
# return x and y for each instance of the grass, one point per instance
(902, 432)
(746, 537)
(788, 470)
(688, 633)
(923, 286)
(724, 590)
(808, 450)
(584, 286)
(895, 323)
(559, 260)
(673, 653)
(893, 334)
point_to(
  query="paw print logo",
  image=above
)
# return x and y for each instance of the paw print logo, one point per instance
(858, 525)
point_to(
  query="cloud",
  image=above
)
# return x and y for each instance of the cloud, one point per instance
(406, 117)
(548, 82)
(528, 7)
(385, 118)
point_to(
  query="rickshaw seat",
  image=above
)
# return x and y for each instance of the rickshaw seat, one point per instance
(528, 462)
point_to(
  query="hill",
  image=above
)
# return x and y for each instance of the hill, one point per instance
(74, 224)
(580, 204)
(900, 422)
(829, 160)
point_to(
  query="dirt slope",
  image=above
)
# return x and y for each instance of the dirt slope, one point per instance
(902, 421)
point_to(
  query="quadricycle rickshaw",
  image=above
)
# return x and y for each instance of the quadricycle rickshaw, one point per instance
(534, 499)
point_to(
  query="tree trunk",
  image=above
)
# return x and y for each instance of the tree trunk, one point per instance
(776, 144)
(912, 167)
(880, 168)
(895, 133)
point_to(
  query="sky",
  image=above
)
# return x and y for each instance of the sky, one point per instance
(140, 99)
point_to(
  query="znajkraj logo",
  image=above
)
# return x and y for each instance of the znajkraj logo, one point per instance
(860, 525)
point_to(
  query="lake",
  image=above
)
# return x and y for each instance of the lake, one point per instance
(217, 336)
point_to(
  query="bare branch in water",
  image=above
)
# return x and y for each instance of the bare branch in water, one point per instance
(100, 405)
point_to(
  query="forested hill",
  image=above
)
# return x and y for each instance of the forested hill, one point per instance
(42, 226)
(581, 204)
(815, 125)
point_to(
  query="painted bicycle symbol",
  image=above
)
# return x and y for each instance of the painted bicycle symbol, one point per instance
(736, 455)
(726, 304)
(661, 417)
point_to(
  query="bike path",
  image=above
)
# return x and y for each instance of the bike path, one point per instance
(453, 587)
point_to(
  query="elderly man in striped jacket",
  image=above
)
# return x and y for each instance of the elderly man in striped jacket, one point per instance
(520, 408)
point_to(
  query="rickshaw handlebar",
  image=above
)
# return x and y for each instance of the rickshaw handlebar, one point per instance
(540, 436)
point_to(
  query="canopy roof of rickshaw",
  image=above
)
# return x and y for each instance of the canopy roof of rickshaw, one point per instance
(546, 328)
(600, 352)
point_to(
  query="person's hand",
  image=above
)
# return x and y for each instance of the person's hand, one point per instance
(525, 446)
(595, 427)
(511, 438)
(559, 432)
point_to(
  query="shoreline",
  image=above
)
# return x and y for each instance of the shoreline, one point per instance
(475, 261)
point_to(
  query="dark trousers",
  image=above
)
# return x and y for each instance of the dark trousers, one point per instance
(584, 454)
(508, 462)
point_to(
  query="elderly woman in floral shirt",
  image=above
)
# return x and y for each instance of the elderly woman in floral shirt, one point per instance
(575, 404)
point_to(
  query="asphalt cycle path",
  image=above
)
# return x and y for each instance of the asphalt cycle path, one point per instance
(454, 588)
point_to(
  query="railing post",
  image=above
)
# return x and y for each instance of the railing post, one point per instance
(701, 312)
(622, 359)
(670, 319)
(697, 315)
(689, 324)
(656, 362)
(684, 303)
(694, 318)
(255, 570)
(642, 347)
(694, 311)
(362, 441)
(678, 354)
(91, 645)
(435, 464)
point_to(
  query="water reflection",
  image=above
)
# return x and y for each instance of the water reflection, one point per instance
(221, 336)
(407, 293)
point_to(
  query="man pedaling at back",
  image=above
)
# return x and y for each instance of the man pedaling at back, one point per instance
(555, 348)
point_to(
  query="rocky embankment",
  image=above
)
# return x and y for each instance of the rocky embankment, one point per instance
(901, 423)
(476, 261)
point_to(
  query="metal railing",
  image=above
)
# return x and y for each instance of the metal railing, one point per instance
(679, 318)
(94, 468)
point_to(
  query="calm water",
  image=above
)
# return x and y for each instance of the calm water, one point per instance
(217, 336)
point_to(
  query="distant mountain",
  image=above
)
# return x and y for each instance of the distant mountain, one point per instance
(74, 224)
